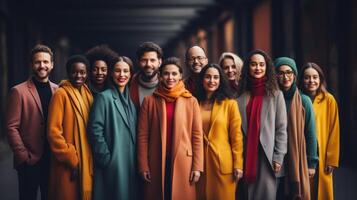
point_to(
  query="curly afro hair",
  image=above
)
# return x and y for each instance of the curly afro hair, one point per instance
(101, 52)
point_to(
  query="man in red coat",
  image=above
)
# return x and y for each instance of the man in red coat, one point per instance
(26, 118)
(195, 59)
(146, 80)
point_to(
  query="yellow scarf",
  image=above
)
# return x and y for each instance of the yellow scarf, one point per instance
(170, 95)
(81, 101)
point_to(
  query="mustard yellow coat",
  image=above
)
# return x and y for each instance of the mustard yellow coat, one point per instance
(328, 138)
(223, 152)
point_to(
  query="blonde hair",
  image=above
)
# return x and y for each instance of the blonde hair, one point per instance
(238, 62)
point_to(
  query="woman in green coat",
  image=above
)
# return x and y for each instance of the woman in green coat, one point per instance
(112, 133)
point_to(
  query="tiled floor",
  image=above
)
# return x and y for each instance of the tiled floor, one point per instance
(345, 179)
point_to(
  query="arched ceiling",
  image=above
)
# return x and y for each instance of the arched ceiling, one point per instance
(123, 24)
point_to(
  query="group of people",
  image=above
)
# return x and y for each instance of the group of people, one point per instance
(232, 130)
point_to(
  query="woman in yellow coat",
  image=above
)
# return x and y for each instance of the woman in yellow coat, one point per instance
(328, 129)
(71, 162)
(223, 148)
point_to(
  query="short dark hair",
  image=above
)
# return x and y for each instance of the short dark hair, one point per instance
(171, 61)
(271, 84)
(76, 59)
(41, 48)
(101, 52)
(223, 91)
(147, 47)
(188, 49)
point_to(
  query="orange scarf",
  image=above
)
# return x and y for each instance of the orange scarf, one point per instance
(81, 101)
(170, 95)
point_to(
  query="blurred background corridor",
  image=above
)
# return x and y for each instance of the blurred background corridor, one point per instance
(318, 31)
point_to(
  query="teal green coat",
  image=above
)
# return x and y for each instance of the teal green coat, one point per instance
(112, 134)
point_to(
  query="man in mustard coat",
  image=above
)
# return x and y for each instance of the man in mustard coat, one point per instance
(26, 118)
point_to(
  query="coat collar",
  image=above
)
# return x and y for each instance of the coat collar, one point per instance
(215, 111)
(176, 130)
(119, 106)
(34, 93)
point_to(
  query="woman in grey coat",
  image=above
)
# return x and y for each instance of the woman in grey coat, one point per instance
(264, 123)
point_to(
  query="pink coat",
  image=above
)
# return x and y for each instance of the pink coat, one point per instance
(25, 125)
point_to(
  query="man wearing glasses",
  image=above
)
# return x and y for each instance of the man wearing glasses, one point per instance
(196, 59)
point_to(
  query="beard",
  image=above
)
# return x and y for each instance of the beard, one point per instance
(148, 78)
(41, 75)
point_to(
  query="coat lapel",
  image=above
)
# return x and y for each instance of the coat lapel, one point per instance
(120, 107)
(176, 133)
(243, 109)
(264, 111)
(215, 111)
(34, 93)
(161, 113)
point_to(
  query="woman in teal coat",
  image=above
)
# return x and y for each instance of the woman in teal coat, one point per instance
(112, 133)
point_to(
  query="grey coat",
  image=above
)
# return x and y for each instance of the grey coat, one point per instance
(273, 140)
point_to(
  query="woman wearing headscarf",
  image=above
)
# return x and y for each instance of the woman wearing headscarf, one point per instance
(325, 106)
(264, 123)
(112, 132)
(301, 159)
(170, 142)
(223, 148)
(71, 163)
(232, 67)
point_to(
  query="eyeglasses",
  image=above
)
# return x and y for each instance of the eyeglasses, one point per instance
(288, 73)
(199, 58)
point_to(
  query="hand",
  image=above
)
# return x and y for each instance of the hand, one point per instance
(312, 173)
(329, 169)
(276, 167)
(238, 174)
(146, 176)
(195, 176)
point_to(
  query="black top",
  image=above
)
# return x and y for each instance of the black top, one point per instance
(45, 93)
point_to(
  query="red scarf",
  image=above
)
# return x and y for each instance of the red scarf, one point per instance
(254, 109)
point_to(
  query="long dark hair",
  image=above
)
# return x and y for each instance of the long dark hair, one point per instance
(223, 90)
(322, 87)
(271, 84)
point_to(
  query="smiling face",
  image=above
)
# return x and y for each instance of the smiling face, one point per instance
(149, 63)
(211, 81)
(196, 59)
(121, 74)
(311, 80)
(78, 74)
(229, 68)
(257, 66)
(286, 77)
(170, 76)
(42, 65)
(99, 72)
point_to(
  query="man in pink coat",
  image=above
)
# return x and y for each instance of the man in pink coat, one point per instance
(26, 118)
